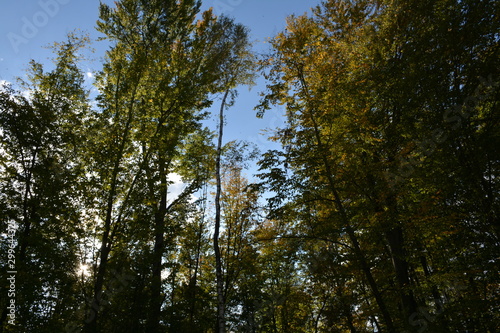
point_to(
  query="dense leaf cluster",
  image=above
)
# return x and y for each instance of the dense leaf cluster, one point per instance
(383, 209)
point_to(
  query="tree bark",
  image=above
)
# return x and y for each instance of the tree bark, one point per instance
(90, 324)
(398, 255)
(221, 321)
(159, 231)
(365, 267)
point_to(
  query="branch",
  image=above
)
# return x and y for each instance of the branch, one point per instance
(304, 237)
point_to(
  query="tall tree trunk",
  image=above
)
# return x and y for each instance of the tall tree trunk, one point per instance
(359, 255)
(358, 252)
(194, 281)
(27, 219)
(159, 232)
(398, 255)
(394, 233)
(90, 324)
(221, 321)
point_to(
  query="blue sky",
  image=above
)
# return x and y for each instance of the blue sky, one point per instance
(28, 25)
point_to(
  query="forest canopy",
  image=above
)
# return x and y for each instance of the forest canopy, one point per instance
(122, 211)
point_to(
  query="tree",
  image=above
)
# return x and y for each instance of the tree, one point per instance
(365, 84)
(238, 70)
(41, 143)
(240, 212)
(158, 78)
(383, 205)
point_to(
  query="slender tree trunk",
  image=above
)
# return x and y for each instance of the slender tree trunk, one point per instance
(24, 238)
(156, 299)
(427, 273)
(394, 233)
(398, 256)
(435, 292)
(90, 324)
(350, 322)
(221, 321)
(194, 281)
(365, 267)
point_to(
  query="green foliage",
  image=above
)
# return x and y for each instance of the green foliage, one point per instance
(371, 151)
(41, 135)
(383, 200)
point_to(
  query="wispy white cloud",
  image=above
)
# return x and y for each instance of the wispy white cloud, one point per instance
(177, 187)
